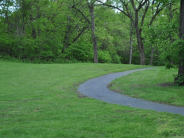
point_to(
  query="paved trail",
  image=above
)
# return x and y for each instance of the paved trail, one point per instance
(97, 88)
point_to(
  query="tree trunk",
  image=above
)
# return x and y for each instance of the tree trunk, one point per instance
(141, 49)
(170, 20)
(95, 48)
(152, 51)
(131, 33)
(139, 40)
(67, 34)
(179, 79)
(33, 28)
(142, 57)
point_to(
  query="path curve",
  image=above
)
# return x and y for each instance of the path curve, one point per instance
(97, 88)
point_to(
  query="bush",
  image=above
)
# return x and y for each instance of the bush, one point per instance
(179, 80)
(36, 61)
(80, 52)
(172, 53)
(116, 59)
(168, 65)
(7, 57)
(104, 57)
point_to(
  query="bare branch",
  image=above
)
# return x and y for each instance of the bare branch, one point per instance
(146, 9)
(156, 13)
(142, 4)
(81, 13)
(115, 8)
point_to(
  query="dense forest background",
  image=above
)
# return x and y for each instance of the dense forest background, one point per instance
(111, 31)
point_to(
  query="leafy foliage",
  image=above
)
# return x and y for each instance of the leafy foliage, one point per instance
(80, 52)
(171, 55)
(104, 57)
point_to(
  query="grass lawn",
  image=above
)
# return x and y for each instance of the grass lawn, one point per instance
(155, 85)
(41, 100)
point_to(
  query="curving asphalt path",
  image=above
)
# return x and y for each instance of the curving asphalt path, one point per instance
(97, 88)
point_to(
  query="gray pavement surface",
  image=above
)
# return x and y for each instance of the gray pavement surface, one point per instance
(97, 88)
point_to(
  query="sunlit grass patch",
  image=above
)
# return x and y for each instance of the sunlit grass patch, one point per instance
(155, 85)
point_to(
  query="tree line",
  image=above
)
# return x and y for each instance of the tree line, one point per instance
(110, 31)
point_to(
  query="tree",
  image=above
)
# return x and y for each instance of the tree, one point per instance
(180, 77)
(91, 21)
(91, 11)
(140, 8)
(131, 47)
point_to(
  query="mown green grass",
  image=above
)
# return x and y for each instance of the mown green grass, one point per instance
(155, 85)
(41, 100)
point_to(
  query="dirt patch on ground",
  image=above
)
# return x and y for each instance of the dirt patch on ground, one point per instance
(109, 85)
(142, 85)
(125, 111)
(167, 84)
(117, 90)
(80, 95)
(76, 85)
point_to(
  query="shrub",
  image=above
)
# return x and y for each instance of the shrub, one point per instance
(7, 57)
(116, 59)
(80, 52)
(179, 80)
(104, 57)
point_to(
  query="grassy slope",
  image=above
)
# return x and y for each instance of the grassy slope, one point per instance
(153, 85)
(41, 101)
